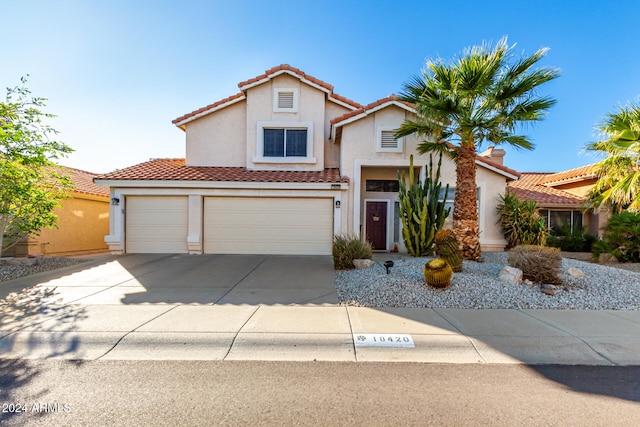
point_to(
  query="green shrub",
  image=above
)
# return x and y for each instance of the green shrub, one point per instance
(540, 264)
(577, 240)
(422, 209)
(521, 223)
(346, 248)
(621, 238)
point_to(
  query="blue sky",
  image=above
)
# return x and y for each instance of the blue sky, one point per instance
(117, 72)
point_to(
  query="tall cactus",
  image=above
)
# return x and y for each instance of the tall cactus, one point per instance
(447, 248)
(421, 211)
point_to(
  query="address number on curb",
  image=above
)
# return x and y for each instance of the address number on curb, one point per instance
(383, 340)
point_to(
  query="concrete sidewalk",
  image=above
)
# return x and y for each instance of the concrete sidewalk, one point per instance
(167, 307)
(307, 333)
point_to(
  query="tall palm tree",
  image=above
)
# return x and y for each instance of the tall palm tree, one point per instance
(618, 174)
(485, 95)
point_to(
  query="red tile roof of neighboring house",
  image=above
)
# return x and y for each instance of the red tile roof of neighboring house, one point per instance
(267, 74)
(531, 186)
(83, 182)
(583, 172)
(176, 170)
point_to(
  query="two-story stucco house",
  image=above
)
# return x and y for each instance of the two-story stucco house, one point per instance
(280, 168)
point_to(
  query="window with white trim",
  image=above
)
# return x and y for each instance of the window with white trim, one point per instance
(386, 140)
(285, 100)
(284, 142)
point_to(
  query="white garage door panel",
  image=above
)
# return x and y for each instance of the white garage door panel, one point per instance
(156, 224)
(268, 225)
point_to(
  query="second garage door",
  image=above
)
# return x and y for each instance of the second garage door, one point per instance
(270, 225)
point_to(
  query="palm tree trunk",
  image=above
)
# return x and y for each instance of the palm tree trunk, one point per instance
(465, 205)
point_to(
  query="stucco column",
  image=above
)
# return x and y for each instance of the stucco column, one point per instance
(115, 239)
(194, 238)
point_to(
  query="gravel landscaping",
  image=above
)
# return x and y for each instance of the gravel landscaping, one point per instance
(478, 286)
(9, 272)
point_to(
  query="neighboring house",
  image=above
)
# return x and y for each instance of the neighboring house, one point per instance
(83, 220)
(280, 168)
(561, 198)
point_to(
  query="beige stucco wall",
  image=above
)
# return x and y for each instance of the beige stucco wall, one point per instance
(219, 138)
(579, 188)
(331, 149)
(360, 160)
(83, 223)
(311, 109)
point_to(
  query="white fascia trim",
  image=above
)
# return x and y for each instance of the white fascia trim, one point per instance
(211, 110)
(276, 74)
(225, 184)
(365, 113)
(342, 103)
(496, 170)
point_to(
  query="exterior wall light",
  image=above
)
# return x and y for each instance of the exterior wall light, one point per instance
(115, 201)
(337, 204)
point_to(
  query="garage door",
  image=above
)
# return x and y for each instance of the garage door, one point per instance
(156, 224)
(237, 225)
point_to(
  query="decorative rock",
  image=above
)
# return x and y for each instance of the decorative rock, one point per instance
(549, 290)
(511, 275)
(574, 272)
(21, 261)
(363, 263)
(527, 282)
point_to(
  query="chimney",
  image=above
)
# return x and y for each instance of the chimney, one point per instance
(494, 154)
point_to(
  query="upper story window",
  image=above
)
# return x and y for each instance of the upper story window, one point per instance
(284, 142)
(386, 140)
(285, 100)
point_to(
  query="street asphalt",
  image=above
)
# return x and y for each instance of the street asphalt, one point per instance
(277, 308)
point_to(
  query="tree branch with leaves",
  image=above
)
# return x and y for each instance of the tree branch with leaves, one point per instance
(31, 184)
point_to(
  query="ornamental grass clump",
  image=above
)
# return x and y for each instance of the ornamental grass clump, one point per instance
(540, 264)
(346, 248)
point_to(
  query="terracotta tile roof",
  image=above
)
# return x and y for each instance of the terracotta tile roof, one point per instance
(531, 186)
(286, 67)
(176, 170)
(368, 107)
(301, 74)
(267, 74)
(583, 172)
(83, 182)
(493, 164)
(208, 107)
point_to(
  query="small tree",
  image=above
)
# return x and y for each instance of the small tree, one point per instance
(521, 223)
(422, 209)
(30, 184)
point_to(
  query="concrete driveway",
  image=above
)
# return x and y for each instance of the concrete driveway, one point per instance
(187, 279)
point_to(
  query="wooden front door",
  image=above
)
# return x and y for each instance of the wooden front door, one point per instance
(376, 222)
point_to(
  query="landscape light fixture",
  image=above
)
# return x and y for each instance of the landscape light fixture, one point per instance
(388, 265)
